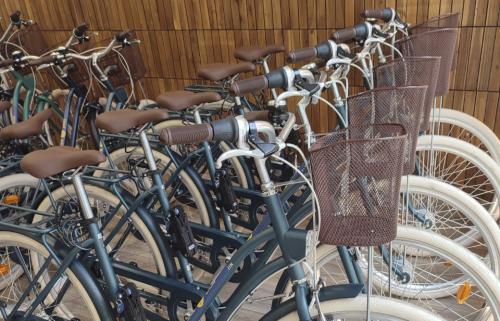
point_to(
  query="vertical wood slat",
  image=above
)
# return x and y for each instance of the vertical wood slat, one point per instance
(179, 35)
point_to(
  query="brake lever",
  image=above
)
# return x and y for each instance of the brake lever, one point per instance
(267, 149)
(311, 88)
(379, 33)
(254, 153)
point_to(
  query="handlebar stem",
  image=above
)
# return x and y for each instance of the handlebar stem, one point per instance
(98, 55)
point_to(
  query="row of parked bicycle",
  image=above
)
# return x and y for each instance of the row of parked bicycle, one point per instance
(218, 203)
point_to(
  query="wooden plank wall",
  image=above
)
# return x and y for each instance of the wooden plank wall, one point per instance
(179, 35)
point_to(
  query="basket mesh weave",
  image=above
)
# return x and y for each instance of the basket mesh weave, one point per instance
(357, 175)
(398, 105)
(440, 42)
(78, 70)
(30, 38)
(411, 71)
(450, 20)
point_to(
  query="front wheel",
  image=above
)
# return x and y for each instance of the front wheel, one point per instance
(457, 124)
(354, 309)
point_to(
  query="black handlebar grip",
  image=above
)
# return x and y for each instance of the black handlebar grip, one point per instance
(42, 60)
(277, 79)
(6, 62)
(80, 30)
(384, 14)
(123, 35)
(15, 17)
(241, 87)
(301, 54)
(357, 32)
(225, 129)
(191, 134)
(264, 115)
(324, 50)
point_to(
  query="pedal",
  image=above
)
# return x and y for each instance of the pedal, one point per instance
(183, 239)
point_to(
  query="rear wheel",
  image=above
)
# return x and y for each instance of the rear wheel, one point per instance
(69, 298)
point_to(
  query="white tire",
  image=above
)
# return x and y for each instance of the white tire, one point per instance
(382, 309)
(483, 227)
(95, 192)
(470, 124)
(464, 151)
(63, 310)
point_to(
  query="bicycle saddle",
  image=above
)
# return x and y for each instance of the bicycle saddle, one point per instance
(55, 160)
(182, 99)
(31, 127)
(121, 120)
(4, 105)
(256, 53)
(220, 71)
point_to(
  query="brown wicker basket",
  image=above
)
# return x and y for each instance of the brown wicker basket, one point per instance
(78, 70)
(357, 175)
(411, 71)
(398, 105)
(30, 38)
(121, 58)
(440, 42)
(450, 20)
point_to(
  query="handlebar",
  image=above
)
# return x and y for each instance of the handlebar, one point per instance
(264, 115)
(223, 129)
(385, 14)
(322, 51)
(15, 17)
(241, 87)
(42, 60)
(80, 30)
(358, 32)
(7, 62)
(275, 79)
(123, 35)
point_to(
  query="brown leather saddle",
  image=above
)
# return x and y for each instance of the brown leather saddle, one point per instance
(252, 54)
(55, 160)
(182, 99)
(221, 71)
(122, 120)
(31, 127)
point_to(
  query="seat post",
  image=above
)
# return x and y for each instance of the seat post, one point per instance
(157, 179)
(148, 153)
(85, 206)
(96, 235)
